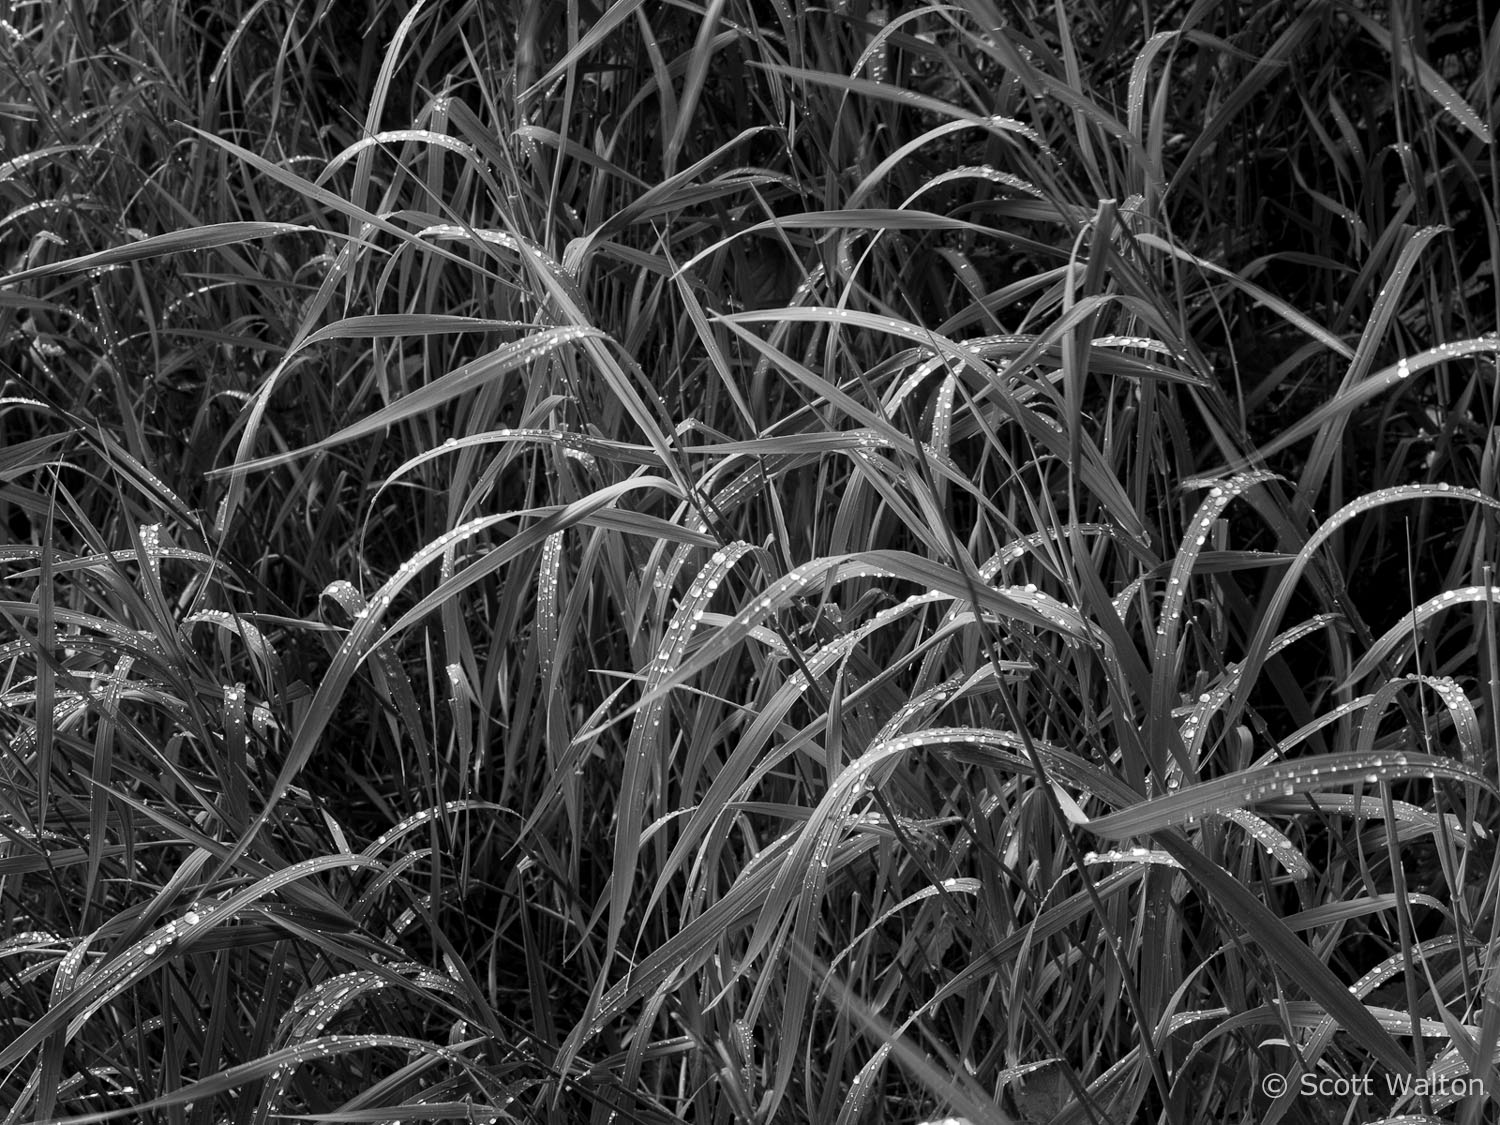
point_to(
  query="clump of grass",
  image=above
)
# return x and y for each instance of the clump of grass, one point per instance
(748, 564)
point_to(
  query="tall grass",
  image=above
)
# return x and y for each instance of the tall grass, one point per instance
(748, 562)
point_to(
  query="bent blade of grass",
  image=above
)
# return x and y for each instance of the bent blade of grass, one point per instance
(1406, 628)
(390, 59)
(646, 736)
(989, 175)
(1276, 61)
(948, 888)
(1367, 389)
(802, 878)
(1289, 953)
(1422, 73)
(1274, 841)
(173, 242)
(1412, 819)
(1336, 912)
(397, 136)
(836, 568)
(1223, 795)
(1376, 329)
(363, 638)
(1302, 1015)
(429, 396)
(362, 641)
(665, 198)
(1195, 725)
(281, 1061)
(1260, 296)
(1164, 666)
(845, 219)
(954, 1088)
(1256, 652)
(692, 84)
(375, 325)
(625, 453)
(1460, 711)
(102, 981)
(262, 654)
(1135, 98)
(1095, 470)
(611, 18)
(992, 124)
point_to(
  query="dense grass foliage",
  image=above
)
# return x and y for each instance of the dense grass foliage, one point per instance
(748, 562)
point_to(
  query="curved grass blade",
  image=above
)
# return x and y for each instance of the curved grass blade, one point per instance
(173, 242)
(429, 396)
(1221, 795)
(1422, 72)
(1256, 651)
(1406, 628)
